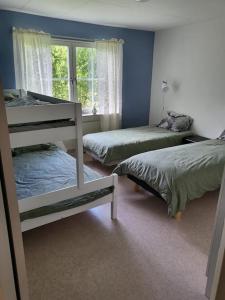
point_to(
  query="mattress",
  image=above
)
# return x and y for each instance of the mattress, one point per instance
(40, 125)
(111, 147)
(24, 101)
(42, 169)
(30, 100)
(181, 173)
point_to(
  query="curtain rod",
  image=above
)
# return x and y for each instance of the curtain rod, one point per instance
(83, 39)
(52, 35)
(72, 38)
(59, 36)
(29, 30)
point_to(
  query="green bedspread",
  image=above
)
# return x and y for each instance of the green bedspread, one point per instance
(181, 173)
(110, 147)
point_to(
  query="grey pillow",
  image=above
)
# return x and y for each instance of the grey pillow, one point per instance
(33, 148)
(9, 97)
(222, 136)
(174, 114)
(165, 123)
(180, 122)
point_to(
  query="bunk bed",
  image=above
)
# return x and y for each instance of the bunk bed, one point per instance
(50, 183)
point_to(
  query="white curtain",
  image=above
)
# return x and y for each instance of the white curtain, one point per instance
(32, 59)
(109, 60)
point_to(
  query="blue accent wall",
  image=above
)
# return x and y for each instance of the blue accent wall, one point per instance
(137, 63)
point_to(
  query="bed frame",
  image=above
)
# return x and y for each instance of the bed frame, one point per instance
(140, 183)
(95, 158)
(57, 110)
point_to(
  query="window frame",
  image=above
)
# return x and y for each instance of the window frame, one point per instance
(72, 76)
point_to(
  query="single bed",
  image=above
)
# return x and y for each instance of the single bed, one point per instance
(46, 168)
(111, 147)
(180, 174)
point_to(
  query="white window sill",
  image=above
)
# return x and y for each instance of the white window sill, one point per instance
(91, 117)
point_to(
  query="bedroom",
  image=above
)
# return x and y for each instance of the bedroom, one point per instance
(185, 46)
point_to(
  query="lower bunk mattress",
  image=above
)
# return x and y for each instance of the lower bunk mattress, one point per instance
(179, 174)
(45, 168)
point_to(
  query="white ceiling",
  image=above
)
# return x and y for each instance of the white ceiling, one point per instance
(148, 14)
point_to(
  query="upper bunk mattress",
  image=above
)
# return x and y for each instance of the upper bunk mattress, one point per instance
(113, 146)
(180, 174)
(29, 100)
(24, 101)
(42, 169)
(40, 125)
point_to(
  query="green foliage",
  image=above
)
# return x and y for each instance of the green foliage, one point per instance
(60, 72)
(86, 76)
(85, 70)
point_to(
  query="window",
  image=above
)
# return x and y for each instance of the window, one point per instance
(60, 72)
(86, 77)
(74, 72)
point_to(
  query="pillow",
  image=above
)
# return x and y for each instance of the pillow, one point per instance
(173, 114)
(222, 136)
(180, 122)
(24, 101)
(164, 123)
(9, 97)
(40, 147)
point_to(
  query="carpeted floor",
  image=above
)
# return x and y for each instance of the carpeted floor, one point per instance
(144, 255)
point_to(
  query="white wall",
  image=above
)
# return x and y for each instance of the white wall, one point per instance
(192, 59)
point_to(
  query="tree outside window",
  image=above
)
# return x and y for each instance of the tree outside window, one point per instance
(75, 75)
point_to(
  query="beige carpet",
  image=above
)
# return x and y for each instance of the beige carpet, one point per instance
(144, 255)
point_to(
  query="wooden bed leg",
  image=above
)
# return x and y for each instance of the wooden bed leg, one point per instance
(178, 216)
(113, 210)
(136, 188)
(114, 198)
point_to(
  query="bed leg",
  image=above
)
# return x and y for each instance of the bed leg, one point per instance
(114, 198)
(113, 210)
(136, 188)
(178, 216)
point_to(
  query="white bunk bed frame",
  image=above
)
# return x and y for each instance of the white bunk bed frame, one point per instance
(50, 112)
